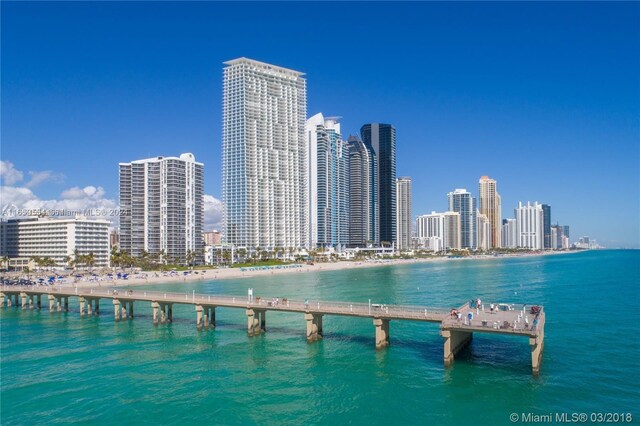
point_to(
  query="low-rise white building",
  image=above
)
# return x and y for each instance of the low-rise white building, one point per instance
(57, 239)
(439, 231)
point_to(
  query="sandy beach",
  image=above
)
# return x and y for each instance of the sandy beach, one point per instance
(156, 277)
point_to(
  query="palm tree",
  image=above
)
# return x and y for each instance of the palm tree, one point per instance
(226, 256)
(242, 253)
(191, 255)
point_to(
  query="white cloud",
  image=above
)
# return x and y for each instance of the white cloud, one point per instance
(9, 174)
(16, 195)
(212, 213)
(39, 177)
(74, 200)
(77, 193)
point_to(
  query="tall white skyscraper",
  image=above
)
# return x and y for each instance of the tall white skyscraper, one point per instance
(462, 201)
(530, 226)
(403, 211)
(328, 183)
(162, 200)
(264, 156)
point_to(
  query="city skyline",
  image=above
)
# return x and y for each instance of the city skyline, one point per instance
(143, 107)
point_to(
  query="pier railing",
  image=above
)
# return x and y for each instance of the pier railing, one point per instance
(379, 310)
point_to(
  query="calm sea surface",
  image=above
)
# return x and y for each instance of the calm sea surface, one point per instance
(60, 368)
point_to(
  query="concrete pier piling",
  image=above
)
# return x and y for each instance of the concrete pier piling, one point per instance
(256, 321)
(212, 317)
(537, 346)
(199, 316)
(155, 306)
(314, 326)
(116, 310)
(81, 302)
(454, 342)
(205, 316)
(24, 300)
(382, 332)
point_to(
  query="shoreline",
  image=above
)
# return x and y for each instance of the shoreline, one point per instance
(155, 277)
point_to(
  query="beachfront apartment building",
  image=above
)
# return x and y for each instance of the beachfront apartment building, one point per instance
(546, 211)
(530, 226)
(462, 201)
(328, 183)
(483, 231)
(439, 231)
(162, 205)
(403, 209)
(363, 201)
(264, 156)
(212, 238)
(490, 206)
(57, 239)
(509, 236)
(381, 139)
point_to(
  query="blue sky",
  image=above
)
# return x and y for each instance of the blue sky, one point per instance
(544, 97)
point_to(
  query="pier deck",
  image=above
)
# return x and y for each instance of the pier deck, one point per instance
(457, 330)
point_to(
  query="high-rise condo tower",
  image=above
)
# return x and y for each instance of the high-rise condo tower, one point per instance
(381, 138)
(328, 183)
(163, 210)
(264, 156)
(403, 209)
(490, 207)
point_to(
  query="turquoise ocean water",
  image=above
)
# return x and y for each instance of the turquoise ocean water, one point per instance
(60, 368)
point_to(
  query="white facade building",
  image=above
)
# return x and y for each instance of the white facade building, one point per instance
(439, 231)
(509, 236)
(58, 239)
(328, 183)
(484, 232)
(163, 207)
(403, 211)
(265, 156)
(530, 226)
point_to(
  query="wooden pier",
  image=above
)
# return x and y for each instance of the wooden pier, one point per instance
(456, 326)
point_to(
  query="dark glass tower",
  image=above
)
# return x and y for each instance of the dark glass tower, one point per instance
(546, 224)
(381, 138)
